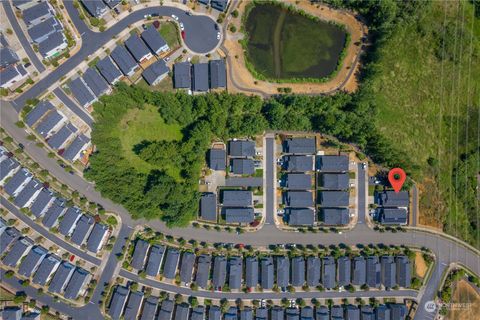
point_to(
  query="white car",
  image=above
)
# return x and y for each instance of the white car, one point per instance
(181, 26)
(218, 35)
(174, 17)
(147, 16)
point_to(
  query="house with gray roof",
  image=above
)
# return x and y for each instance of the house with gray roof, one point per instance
(203, 270)
(344, 271)
(118, 302)
(166, 310)
(359, 271)
(328, 272)
(277, 313)
(171, 263)
(8, 167)
(208, 207)
(138, 48)
(76, 148)
(241, 148)
(38, 13)
(50, 219)
(41, 31)
(300, 216)
(7, 237)
(292, 314)
(398, 311)
(231, 314)
(373, 269)
(132, 309)
(109, 70)
(61, 277)
(299, 199)
(337, 312)
(283, 271)
(38, 112)
(382, 312)
(214, 313)
(334, 198)
(243, 166)
(186, 267)
(82, 230)
(32, 261)
(53, 45)
(238, 215)
(332, 163)
(266, 273)
(47, 268)
(7, 57)
(393, 199)
(60, 139)
(181, 311)
(219, 275)
(235, 272)
(299, 181)
(95, 82)
(82, 93)
(112, 3)
(154, 261)
(218, 74)
(393, 216)
(77, 284)
(154, 40)
(95, 8)
(313, 271)
(17, 251)
(69, 221)
(12, 75)
(352, 312)
(334, 181)
(97, 237)
(298, 163)
(182, 77)
(298, 272)
(334, 216)
(217, 159)
(155, 72)
(367, 313)
(237, 198)
(150, 308)
(16, 184)
(246, 313)
(11, 313)
(53, 121)
(139, 254)
(28, 194)
(306, 313)
(251, 271)
(322, 313)
(200, 77)
(299, 146)
(404, 271)
(261, 313)
(388, 272)
(198, 313)
(125, 62)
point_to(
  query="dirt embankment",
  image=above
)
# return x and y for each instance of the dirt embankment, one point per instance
(241, 80)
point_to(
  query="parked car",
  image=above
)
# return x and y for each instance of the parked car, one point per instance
(116, 10)
(147, 16)
(183, 35)
(181, 26)
(218, 35)
(175, 17)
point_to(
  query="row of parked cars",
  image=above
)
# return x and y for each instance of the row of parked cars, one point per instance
(222, 273)
(130, 305)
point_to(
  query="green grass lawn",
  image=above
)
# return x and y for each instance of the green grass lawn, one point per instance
(147, 124)
(170, 34)
(166, 85)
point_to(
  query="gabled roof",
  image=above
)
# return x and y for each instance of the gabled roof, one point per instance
(7, 238)
(337, 312)
(267, 273)
(306, 313)
(382, 312)
(344, 265)
(109, 70)
(155, 71)
(46, 269)
(77, 283)
(61, 277)
(31, 190)
(219, 5)
(96, 8)
(7, 167)
(154, 261)
(124, 60)
(334, 198)
(203, 270)
(393, 199)
(237, 198)
(328, 163)
(39, 111)
(198, 313)
(82, 229)
(299, 199)
(111, 3)
(359, 271)
(133, 305)
(42, 30)
(137, 47)
(139, 254)
(238, 215)
(53, 213)
(393, 216)
(171, 263)
(17, 182)
(9, 74)
(214, 313)
(404, 271)
(298, 271)
(81, 92)
(54, 41)
(118, 301)
(251, 272)
(373, 271)
(150, 308)
(18, 250)
(78, 144)
(299, 145)
(96, 237)
(11, 313)
(97, 84)
(398, 311)
(299, 181)
(328, 272)
(299, 163)
(40, 10)
(277, 313)
(235, 272)
(231, 314)
(186, 266)
(367, 312)
(208, 206)
(313, 271)
(58, 140)
(182, 75)
(166, 310)
(292, 314)
(29, 265)
(322, 313)
(261, 313)
(334, 181)
(388, 271)
(49, 122)
(154, 40)
(7, 57)
(334, 216)
(243, 166)
(181, 311)
(300, 216)
(352, 312)
(218, 74)
(219, 271)
(217, 159)
(69, 221)
(200, 77)
(241, 148)
(245, 314)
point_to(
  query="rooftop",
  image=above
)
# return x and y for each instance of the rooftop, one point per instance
(218, 74)
(300, 146)
(182, 75)
(200, 77)
(137, 47)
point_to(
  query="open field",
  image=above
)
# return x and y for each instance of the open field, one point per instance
(465, 302)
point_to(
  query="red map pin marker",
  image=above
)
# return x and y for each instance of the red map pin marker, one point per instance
(397, 177)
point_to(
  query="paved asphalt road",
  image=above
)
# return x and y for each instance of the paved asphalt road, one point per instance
(414, 205)
(47, 234)
(362, 194)
(21, 36)
(82, 114)
(270, 182)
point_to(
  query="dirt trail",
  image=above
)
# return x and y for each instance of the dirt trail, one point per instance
(277, 43)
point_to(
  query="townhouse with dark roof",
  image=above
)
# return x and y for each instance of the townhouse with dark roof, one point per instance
(217, 159)
(202, 275)
(300, 216)
(138, 48)
(171, 263)
(132, 309)
(125, 62)
(69, 221)
(154, 40)
(75, 150)
(139, 254)
(332, 163)
(118, 302)
(208, 207)
(186, 267)
(251, 271)
(46, 270)
(154, 261)
(61, 277)
(109, 70)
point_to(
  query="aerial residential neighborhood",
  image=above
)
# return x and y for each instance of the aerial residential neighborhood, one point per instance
(239, 160)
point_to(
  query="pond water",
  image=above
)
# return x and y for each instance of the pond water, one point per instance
(283, 44)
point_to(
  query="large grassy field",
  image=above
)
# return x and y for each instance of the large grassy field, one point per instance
(427, 94)
(146, 125)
